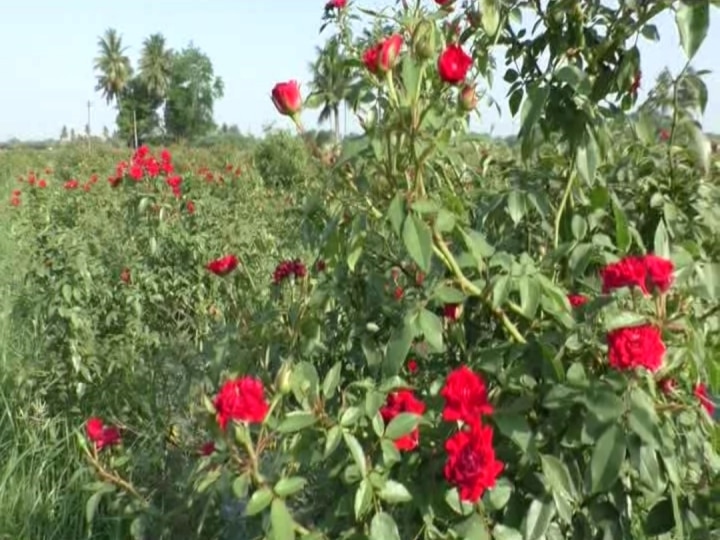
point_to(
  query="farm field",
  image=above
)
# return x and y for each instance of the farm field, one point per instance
(419, 332)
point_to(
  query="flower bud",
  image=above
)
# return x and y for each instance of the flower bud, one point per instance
(423, 40)
(467, 98)
(282, 379)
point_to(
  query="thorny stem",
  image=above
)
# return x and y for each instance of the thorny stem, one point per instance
(473, 289)
(113, 478)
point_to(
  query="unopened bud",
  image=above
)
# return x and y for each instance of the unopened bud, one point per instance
(282, 379)
(468, 99)
(424, 40)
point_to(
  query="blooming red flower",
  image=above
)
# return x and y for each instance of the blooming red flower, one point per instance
(628, 272)
(336, 4)
(454, 64)
(444, 2)
(471, 465)
(242, 400)
(42, 183)
(398, 293)
(701, 393)
(136, 171)
(384, 55)
(659, 272)
(286, 269)
(633, 347)
(71, 184)
(223, 265)
(15, 201)
(664, 135)
(465, 396)
(190, 207)
(286, 98)
(100, 434)
(403, 401)
(577, 300)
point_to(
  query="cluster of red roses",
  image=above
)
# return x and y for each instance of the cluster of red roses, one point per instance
(640, 346)
(471, 465)
(101, 435)
(289, 268)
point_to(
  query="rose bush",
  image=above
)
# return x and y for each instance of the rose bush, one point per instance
(445, 359)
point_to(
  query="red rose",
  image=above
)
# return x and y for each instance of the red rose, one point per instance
(190, 207)
(243, 400)
(628, 272)
(664, 135)
(383, 56)
(701, 393)
(471, 465)
(100, 434)
(577, 300)
(403, 401)
(659, 272)
(465, 396)
(636, 346)
(336, 4)
(389, 50)
(223, 265)
(286, 98)
(71, 184)
(453, 64)
(287, 269)
(370, 59)
(398, 293)
(42, 183)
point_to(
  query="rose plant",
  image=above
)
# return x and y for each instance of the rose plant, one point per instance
(531, 363)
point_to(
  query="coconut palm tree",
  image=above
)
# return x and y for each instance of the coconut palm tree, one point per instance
(156, 64)
(112, 66)
(330, 84)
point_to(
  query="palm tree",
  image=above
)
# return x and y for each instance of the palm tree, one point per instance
(113, 66)
(156, 64)
(330, 84)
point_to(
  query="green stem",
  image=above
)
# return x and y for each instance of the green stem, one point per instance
(563, 203)
(473, 289)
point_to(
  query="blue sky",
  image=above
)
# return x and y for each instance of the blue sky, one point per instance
(48, 80)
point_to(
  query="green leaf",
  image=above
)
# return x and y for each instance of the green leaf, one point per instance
(241, 485)
(533, 107)
(643, 420)
(332, 440)
(501, 290)
(586, 160)
(259, 501)
(516, 206)
(530, 294)
(418, 241)
(383, 527)
(94, 501)
(477, 245)
(431, 327)
(396, 213)
(289, 486)
(363, 498)
(622, 230)
(490, 17)
(394, 492)
(350, 416)
(693, 20)
(604, 404)
(295, 421)
(515, 427)
(332, 380)
(538, 518)
(661, 243)
(356, 451)
(502, 532)
(473, 528)
(448, 295)
(410, 77)
(660, 520)
(607, 459)
(558, 477)
(283, 525)
(398, 348)
(401, 425)
(623, 319)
